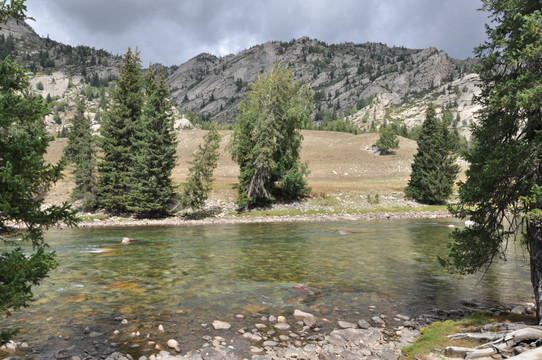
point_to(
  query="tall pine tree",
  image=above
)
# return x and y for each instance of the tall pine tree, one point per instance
(24, 177)
(434, 169)
(503, 191)
(155, 148)
(81, 151)
(119, 126)
(200, 178)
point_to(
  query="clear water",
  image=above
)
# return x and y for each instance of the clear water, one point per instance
(183, 277)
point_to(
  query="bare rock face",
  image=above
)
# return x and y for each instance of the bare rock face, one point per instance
(370, 81)
(367, 84)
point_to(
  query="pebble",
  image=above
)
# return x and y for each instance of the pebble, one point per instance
(173, 344)
(281, 319)
(124, 321)
(377, 320)
(282, 326)
(347, 325)
(364, 324)
(270, 343)
(161, 328)
(252, 337)
(221, 325)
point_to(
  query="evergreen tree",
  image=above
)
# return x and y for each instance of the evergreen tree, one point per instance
(434, 169)
(200, 178)
(387, 140)
(154, 150)
(503, 191)
(24, 178)
(119, 126)
(81, 151)
(267, 139)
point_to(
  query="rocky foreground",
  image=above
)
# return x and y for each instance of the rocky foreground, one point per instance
(297, 336)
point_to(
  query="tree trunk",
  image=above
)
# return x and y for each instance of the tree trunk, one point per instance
(534, 237)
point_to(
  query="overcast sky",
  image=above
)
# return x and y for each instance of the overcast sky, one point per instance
(173, 31)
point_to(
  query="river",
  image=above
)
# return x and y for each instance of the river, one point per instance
(183, 277)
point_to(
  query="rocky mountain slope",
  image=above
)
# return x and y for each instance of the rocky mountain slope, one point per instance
(367, 84)
(367, 81)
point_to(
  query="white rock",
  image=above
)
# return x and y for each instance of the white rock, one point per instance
(173, 344)
(161, 328)
(282, 326)
(308, 319)
(281, 319)
(221, 325)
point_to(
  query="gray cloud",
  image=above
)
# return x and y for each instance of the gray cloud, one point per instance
(173, 31)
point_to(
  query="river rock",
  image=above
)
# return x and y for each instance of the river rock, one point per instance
(363, 324)
(346, 325)
(161, 328)
(410, 324)
(252, 337)
(211, 354)
(221, 325)
(378, 320)
(520, 310)
(368, 336)
(281, 319)
(173, 344)
(282, 326)
(307, 318)
(62, 354)
(270, 343)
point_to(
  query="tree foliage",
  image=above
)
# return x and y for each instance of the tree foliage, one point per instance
(24, 178)
(387, 140)
(119, 126)
(138, 142)
(434, 169)
(200, 178)
(81, 151)
(502, 192)
(267, 139)
(154, 150)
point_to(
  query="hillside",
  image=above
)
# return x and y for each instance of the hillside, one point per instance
(369, 83)
(344, 170)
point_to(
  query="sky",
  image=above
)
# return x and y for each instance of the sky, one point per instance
(171, 32)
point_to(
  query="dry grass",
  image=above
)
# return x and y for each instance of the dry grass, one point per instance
(339, 162)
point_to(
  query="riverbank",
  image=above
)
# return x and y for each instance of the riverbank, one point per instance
(338, 207)
(297, 335)
(116, 221)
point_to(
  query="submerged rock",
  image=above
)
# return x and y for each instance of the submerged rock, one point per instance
(221, 325)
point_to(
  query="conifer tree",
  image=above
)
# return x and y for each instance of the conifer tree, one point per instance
(24, 177)
(119, 126)
(155, 148)
(81, 151)
(200, 178)
(434, 169)
(502, 195)
(387, 140)
(267, 139)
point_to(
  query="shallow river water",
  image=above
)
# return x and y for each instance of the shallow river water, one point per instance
(183, 277)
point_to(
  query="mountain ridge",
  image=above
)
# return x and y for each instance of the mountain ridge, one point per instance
(368, 84)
